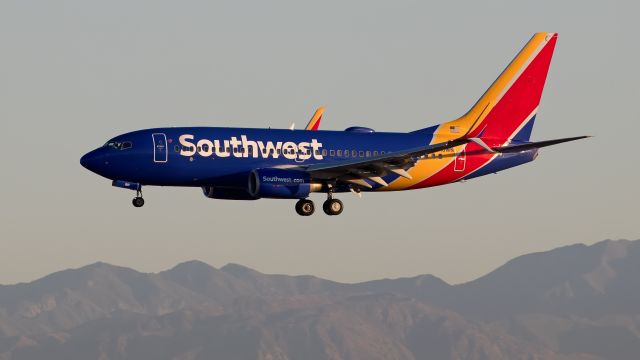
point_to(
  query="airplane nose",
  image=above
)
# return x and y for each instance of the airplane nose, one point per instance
(90, 160)
(84, 161)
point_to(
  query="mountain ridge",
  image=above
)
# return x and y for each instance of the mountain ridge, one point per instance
(549, 304)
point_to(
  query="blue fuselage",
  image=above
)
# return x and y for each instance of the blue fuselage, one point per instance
(225, 157)
(150, 161)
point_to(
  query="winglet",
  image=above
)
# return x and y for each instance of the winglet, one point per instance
(314, 123)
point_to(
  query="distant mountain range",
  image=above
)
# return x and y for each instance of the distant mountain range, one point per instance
(574, 302)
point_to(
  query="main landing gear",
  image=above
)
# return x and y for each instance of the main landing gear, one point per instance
(138, 201)
(331, 206)
(305, 207)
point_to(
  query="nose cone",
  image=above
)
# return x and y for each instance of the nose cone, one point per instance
(84, 161)
(91, 161)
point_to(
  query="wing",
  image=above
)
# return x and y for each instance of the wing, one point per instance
(356, 171)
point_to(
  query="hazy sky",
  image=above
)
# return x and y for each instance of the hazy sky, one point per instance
(75, 73)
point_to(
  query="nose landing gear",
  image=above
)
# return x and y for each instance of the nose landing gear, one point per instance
(138, 201)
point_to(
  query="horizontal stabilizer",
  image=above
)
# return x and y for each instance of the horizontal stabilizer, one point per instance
(536, 145)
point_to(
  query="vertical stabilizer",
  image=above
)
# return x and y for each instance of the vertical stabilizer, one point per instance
(508, 108)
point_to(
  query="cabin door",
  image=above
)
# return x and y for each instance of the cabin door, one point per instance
(461, 161)
(160, 151)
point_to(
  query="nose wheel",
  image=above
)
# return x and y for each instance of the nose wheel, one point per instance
(138, 201)
(305, 207)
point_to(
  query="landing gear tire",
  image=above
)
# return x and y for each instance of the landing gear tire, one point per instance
(333, 207)
(305, 207)
(138, 201)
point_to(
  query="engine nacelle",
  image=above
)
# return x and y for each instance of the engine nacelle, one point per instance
(281, 184)
(226, 193)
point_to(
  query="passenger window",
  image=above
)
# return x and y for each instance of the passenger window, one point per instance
(332, 153)
(177, 148)
(375, 153)
(339, 152)
(361, 153)
(346, 153)
(354, 153)
(368, 153)
(324, 152)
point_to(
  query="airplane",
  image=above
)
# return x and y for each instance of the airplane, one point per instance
(252, 163)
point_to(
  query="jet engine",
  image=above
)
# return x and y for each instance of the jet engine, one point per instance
(225, 193)
(281, 184)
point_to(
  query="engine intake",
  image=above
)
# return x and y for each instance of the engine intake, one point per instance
(281, 184)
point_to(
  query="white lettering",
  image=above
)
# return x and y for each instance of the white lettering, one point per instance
(270, 150)
(289, 150)
(221, 150)
(246, 144)
(188, 149)
(315, 145)
(250, 148)
(235, 144)
(303, 151)
(205, 148)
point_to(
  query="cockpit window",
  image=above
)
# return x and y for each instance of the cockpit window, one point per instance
(119, 145)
